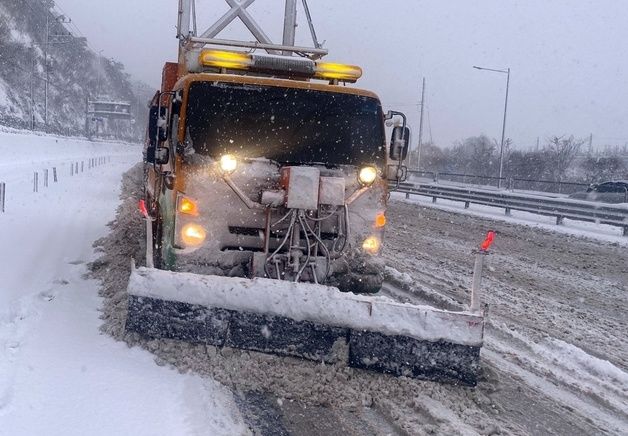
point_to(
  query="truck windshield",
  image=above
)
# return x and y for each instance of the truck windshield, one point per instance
(285, 124)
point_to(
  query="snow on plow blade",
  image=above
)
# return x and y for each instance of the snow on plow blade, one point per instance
(308, 321)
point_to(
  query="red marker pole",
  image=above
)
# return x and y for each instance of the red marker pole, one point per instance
(477, 271)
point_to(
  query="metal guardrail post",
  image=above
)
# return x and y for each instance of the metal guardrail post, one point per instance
(3, 188)
(35, 181)
(46, 178)
(54, 174)
(435, 176)
(82, 166)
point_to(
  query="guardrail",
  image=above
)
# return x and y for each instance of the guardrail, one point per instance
(74, 169)
(559, 187)
(561, 208)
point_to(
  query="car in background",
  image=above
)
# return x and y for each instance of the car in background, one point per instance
(615, 191)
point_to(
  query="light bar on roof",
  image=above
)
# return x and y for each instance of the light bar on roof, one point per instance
(279, 65)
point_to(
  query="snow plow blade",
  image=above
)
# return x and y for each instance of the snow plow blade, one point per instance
(308, 321)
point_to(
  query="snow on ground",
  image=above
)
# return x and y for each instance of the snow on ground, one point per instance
(58, 374)
(555, 352)
(555, 342)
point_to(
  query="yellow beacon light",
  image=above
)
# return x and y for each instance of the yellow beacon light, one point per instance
(335, 71)
(225, 59)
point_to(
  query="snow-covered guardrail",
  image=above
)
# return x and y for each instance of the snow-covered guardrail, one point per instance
(561, 208)
(44, 180)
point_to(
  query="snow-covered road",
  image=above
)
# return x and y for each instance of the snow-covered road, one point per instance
(555, 353)
(58, 374)
(557, 338)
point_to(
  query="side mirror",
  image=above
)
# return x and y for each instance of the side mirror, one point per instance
(157, 124)
(399, 143)
(162, 124)
(152, 125)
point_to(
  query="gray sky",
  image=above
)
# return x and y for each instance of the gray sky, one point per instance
(569, 58)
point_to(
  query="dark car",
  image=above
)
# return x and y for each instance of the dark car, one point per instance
(616, 186)
(615, 191)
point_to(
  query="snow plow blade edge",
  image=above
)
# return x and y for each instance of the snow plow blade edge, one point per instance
(307, 321)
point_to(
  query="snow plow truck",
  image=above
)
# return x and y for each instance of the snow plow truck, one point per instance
(266, 183)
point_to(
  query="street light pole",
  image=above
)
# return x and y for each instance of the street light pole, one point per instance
(501, 149)
(420, 144)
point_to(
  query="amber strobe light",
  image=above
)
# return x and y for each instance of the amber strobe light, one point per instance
(335, 71)
(188, 206)
(225, 59)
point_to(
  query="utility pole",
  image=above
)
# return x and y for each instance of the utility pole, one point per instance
(99, 74)
(501, 148)
(420, 144)
(32, 96)
(58, 39)
(46, 69)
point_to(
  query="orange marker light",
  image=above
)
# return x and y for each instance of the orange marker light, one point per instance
(142, 207)
(188, 206)
(380, 220)
(490, 236)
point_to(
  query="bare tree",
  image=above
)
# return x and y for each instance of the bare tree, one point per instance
(475, 155)
(561, 153)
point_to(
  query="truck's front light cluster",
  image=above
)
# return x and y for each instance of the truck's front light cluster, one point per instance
(193, 234)
(367, 175)
(228, 163)
(371, 245)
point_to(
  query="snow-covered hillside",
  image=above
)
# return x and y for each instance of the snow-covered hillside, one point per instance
(74, 73)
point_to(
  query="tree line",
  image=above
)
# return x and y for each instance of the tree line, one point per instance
(559, 159)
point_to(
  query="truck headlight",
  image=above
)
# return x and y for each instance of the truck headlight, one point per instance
(228, 163)
(371, 245)
(367, 175)
(193, 234)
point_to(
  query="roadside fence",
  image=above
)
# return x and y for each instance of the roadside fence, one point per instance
(43, 182)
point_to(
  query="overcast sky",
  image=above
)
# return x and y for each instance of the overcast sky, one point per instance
(569, 58)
